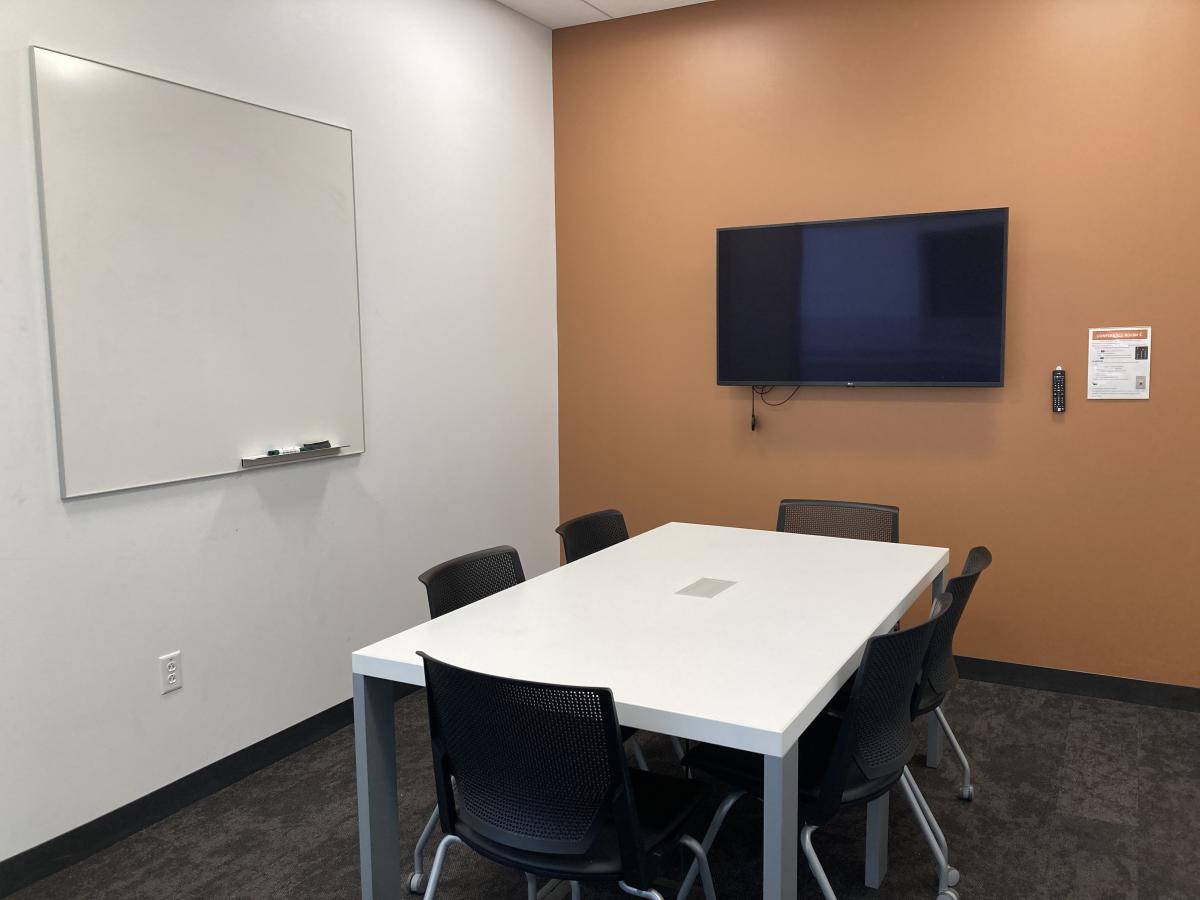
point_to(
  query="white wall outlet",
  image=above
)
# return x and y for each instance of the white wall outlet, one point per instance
(170, 671)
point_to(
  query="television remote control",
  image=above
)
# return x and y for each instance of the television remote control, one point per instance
(1058, 390)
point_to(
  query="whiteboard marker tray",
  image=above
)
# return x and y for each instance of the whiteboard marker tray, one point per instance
(291, 456)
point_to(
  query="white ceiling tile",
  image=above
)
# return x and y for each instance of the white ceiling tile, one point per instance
(557, 13)
(617, 8)
(563, 13)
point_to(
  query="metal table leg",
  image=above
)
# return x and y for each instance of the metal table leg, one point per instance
(375, 765)
(781, 825)
(878, 812)
(933, 732)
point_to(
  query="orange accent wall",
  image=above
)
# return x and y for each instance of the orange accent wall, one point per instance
(1082, 116)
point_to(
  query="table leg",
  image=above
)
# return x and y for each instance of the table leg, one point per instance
(933, 732)
(938, 586)
(781, 824)
(877, 840)
(933, 742)
(375, 764)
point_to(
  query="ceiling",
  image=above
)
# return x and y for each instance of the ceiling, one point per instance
(561, 13)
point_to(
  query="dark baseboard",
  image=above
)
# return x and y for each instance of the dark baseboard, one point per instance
(79, 843)
(1081, 684)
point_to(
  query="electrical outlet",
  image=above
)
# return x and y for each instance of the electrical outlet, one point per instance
(170, 671)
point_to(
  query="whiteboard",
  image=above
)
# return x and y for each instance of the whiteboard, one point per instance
(201, 276)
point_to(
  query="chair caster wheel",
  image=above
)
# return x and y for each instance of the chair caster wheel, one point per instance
(967, 793)
(948, 894)
(416, 883)
(952, 876)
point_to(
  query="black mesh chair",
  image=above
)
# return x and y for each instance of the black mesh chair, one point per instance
(941, 673)
(453, 585)
(847, 757)
(533, 776)
(450, 586)
(838, 518)
(938, 675)
(465, 579)
(584, 535)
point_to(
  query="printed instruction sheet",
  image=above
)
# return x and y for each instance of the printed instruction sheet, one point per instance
(1119, 363)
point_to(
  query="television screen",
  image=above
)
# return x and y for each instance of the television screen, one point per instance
(898, 300)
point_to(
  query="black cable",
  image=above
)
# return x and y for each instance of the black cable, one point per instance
(759, 392)
(762, 393)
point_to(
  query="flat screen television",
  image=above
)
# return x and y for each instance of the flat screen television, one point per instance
(914, 300)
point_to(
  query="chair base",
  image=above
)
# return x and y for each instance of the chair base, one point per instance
(439, 860)
(417, 879)
(948, 876)
(638, 892)
(710, 835)
(686, 841)
(814, 864)
(967, 791)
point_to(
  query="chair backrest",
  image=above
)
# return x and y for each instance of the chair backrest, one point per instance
(876, 732)
(584, 535)
(465, 579)
(537, 767)
(839, 518)
(940, 673)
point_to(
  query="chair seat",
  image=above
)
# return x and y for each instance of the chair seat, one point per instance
(663, 803)
(744, 770)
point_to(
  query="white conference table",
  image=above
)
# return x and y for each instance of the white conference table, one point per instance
(748, 668)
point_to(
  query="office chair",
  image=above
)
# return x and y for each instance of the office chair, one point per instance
(584, 535)
(839, 518)
(449, 586)
(452, 585)
(941, 673)
(847, 757)
(533, 776)
(465, 579)
(938, 675)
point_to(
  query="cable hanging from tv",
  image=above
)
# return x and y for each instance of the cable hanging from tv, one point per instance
(759, 392)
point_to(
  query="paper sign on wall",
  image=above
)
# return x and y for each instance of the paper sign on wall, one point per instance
(1119, 363)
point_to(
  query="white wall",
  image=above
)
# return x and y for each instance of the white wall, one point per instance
(267, 580)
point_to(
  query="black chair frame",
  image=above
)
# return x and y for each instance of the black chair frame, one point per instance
(456, 583)
(471, 805)
(941, 673)
(587, 534)
(450, 586)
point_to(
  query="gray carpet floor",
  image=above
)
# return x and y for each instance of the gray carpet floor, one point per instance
(1075, 798)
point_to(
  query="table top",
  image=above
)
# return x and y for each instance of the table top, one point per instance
(749, 667)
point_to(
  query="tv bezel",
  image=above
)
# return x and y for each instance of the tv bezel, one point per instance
(925, 215)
